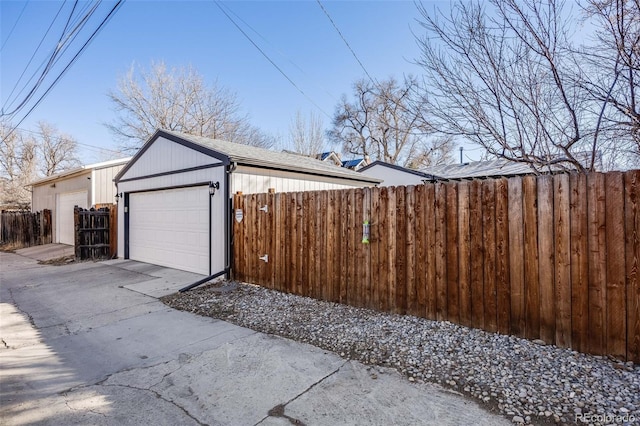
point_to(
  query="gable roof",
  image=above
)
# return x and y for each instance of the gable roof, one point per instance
(481, 169)
(80, 170)
(247, 155)
(352, 163)
(399, 168)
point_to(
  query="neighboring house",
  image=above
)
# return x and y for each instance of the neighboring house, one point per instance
(84, 187)
(330, 157)
(393, 175)
(355, 164)
(175, 196)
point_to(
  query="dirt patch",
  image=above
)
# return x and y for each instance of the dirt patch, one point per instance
(59, 261)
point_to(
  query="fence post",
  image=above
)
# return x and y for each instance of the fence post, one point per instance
(76, 227)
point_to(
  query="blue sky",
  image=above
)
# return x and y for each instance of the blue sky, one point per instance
(197, 33)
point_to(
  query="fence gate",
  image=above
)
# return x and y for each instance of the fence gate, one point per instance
(95, 233)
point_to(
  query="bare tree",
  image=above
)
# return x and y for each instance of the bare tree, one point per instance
(612, 77)
(511, 80)
(58, 151)
(386, 122)
(306, 134)
(179, 100)
(18, 164)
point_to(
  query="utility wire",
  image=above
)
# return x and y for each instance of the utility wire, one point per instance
(14, 25)
(34, 54)
(95, 147)
(269, 59)
(282, 54)
(113, 10)
(345, 41)
(60, 49)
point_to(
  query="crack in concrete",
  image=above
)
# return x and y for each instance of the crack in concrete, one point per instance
(160, 396)
(89, 410)
(278, 410)
(5, 344)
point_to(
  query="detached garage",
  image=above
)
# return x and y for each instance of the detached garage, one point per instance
(85, 187)
(175, 196)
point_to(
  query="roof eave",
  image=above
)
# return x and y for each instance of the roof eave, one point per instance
(293, 168)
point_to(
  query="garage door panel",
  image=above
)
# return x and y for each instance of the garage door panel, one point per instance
(65, 227)
(171, 228)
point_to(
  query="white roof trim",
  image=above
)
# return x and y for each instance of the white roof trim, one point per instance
(80, 170)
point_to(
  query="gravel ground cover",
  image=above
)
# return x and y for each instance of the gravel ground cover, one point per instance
(526, 381)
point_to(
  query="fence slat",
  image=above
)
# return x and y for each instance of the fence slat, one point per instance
(464, 253)
(546, 259)
(516, 257)
(579, 263)
(532, 289)
(477, 260)
(616, 320)
(451, 235)
(375, 248)
(401, 252)
(441, 252)
(430, 242)
(632, 237)
(411, 298)
(489, 237)
(562, 282)
(597, 262)
(503, 288)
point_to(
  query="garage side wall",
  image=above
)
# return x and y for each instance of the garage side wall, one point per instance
(104, 190)
(255, 180)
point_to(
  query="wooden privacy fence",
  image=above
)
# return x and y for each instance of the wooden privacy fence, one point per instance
(550, 257)
(20, 229)
(96, 232)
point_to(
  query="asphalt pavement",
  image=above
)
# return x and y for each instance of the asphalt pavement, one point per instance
(90, 344)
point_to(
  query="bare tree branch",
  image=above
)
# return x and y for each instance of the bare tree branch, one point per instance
(179, 100)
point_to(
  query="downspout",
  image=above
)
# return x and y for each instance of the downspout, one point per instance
(228, 234)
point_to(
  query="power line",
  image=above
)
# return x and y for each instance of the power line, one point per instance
(34, 55)
(269, 59)
(345, 41)
(97, 148)
(282, 54)
(14, 25)
(61, 47)
(113, 10)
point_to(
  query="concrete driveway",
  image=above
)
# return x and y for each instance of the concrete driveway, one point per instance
(89, 343)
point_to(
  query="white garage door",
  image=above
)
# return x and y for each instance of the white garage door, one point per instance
(171, 228)
(64, 215)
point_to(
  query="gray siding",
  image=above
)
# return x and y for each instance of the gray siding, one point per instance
(104, 190)
(252, 180)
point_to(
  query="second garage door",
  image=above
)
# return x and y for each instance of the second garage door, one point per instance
(65, 228)
(171, 228)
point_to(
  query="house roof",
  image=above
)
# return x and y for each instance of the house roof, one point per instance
(80, 170)
(254, 156)
(480, 169)
(400, 168)
(352, 163)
